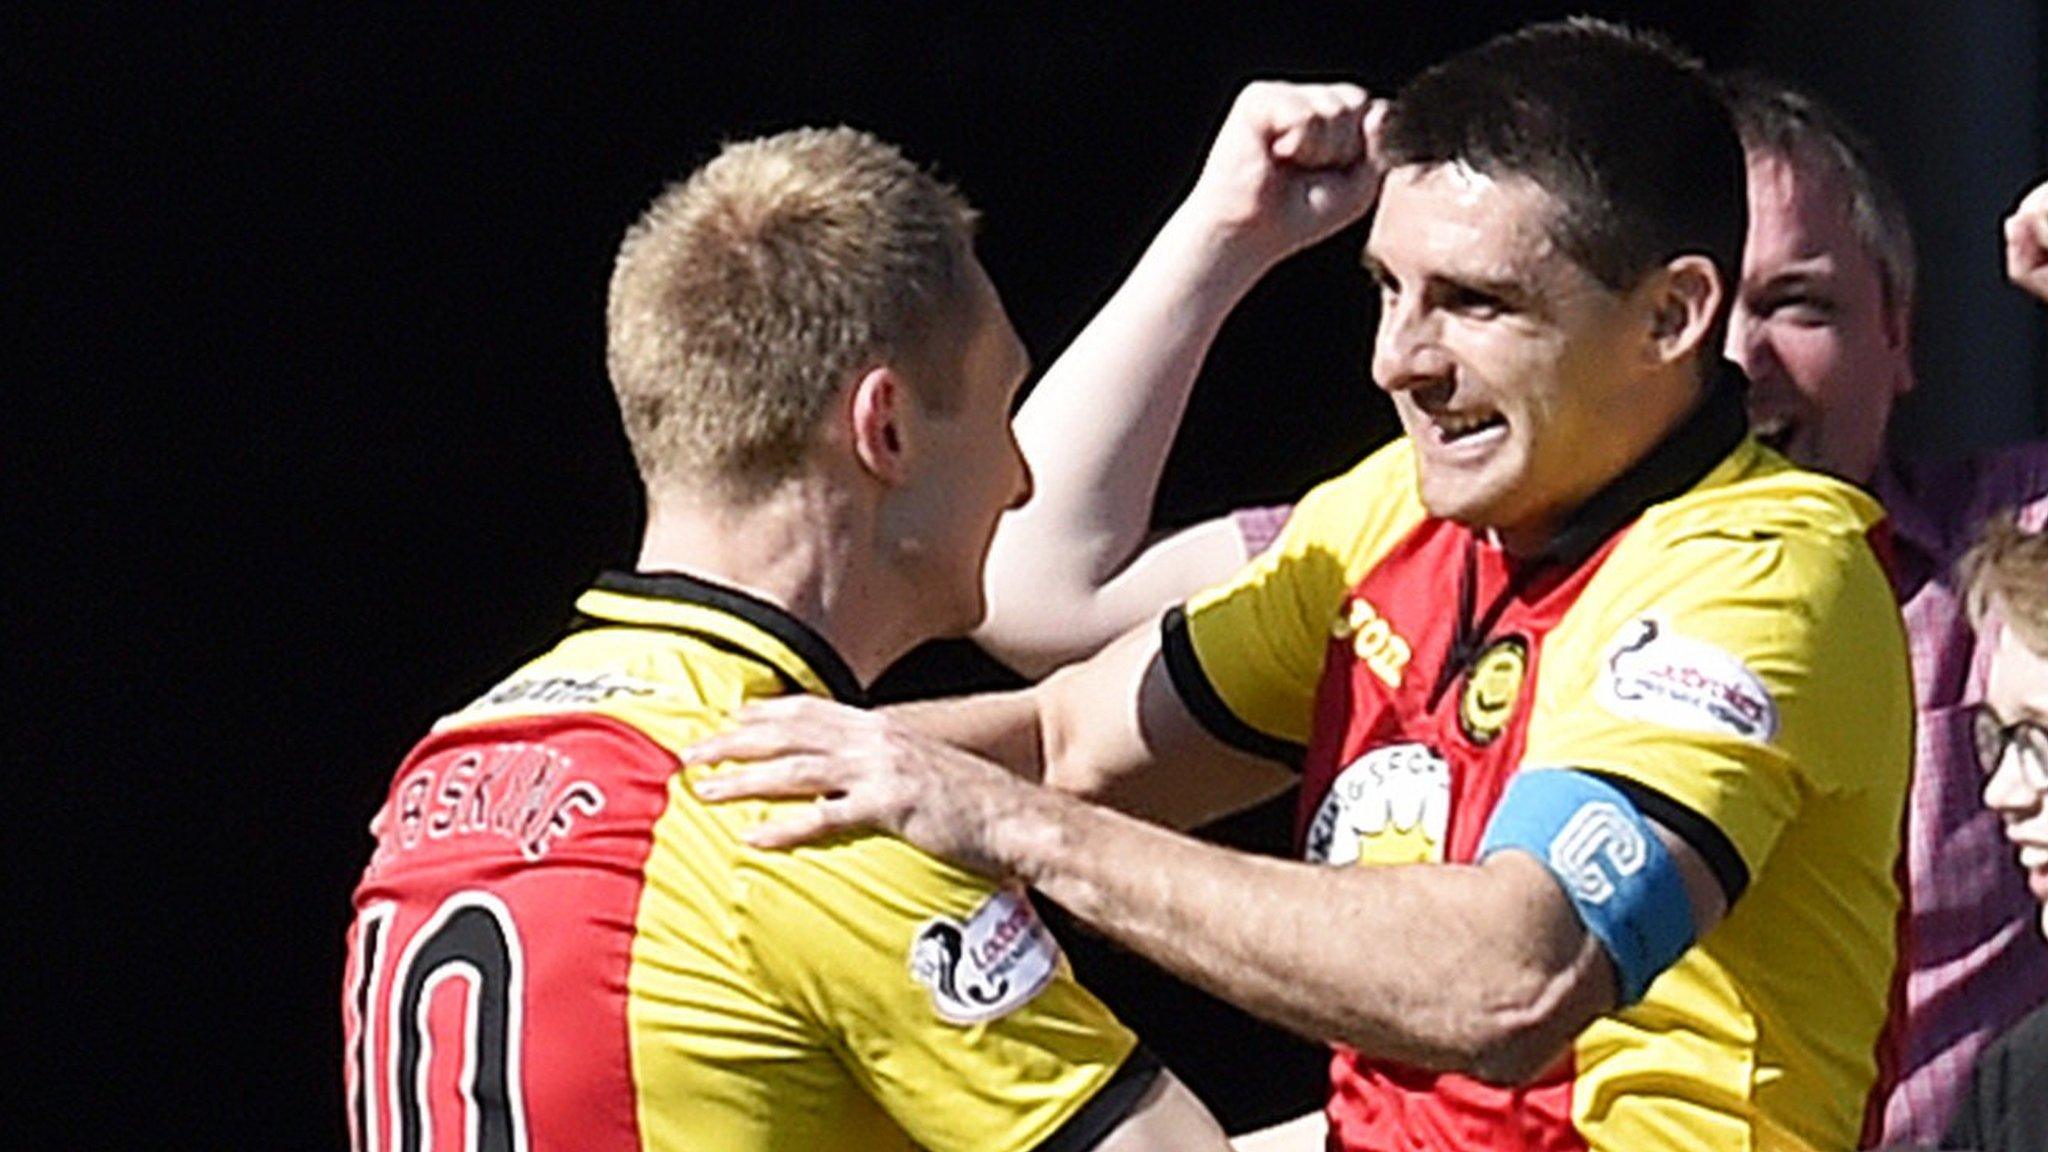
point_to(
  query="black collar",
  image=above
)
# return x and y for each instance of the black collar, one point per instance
(729, 618)
(1682, 459)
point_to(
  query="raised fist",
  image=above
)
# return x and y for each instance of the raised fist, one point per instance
(2026, 243)
(1292, 164)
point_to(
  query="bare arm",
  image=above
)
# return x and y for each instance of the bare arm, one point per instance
(1071, 570)
(1111, 729)
(1169, 1118)
(1308, 1132)
(1479, 968)
(1483, 968)
(1057, 592)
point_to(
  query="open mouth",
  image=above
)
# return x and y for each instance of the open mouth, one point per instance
(1451, 429)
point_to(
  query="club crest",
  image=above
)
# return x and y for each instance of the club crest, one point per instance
(1492, 688)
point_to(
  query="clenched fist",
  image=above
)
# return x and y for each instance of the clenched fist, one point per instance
(1292, 164)
(2026, 243)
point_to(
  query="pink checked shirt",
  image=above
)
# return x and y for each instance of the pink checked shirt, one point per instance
(1978, 962)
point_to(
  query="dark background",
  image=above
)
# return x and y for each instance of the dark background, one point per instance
(308, 435)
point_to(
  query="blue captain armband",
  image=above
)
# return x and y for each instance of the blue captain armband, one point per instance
(1619, 876)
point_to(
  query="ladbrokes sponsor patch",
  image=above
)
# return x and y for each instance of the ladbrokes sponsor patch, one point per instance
(1657, 675)
(989, 965)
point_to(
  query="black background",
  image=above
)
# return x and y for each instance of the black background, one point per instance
(310, 440)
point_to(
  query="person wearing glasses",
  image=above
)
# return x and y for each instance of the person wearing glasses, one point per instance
(2006, 576)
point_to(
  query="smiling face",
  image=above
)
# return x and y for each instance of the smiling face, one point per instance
(1523, 382)
(2017, 690)
(1825, 351)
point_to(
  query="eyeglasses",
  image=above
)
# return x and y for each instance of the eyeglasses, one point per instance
(2025, 741)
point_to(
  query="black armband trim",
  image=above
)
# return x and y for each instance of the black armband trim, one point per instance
(1110, 1105)
(1203, 702)
(1703, 834)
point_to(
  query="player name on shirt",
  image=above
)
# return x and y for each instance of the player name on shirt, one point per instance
(520, 792)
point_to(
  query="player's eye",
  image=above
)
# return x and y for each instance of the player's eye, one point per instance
(1806, 309)
(1474, 302)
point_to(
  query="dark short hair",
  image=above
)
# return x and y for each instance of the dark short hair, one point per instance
(1775, 118)
(1624, 129)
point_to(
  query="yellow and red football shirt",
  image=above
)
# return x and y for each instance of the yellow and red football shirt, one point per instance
(1714, 635)
(557, 946)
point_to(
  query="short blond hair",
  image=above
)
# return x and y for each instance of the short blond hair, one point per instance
(749, 293)
(2006, 572)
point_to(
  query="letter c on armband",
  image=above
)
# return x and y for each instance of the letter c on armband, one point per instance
(1621, 880)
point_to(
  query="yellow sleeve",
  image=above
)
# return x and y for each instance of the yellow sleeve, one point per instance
(1739, 674)
(944, 996)
(1245, 656)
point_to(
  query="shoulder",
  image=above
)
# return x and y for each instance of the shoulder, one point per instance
(1760, 527)
(1340, 529)
(1359, 512)
(1947, 499)
(1387, 474)
(1756, 493)
(623, 673)
(880, 866)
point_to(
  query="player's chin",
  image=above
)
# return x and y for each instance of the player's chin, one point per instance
(1474, 500)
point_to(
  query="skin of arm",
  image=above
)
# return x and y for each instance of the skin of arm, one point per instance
(1167, 1118)
(1481, 968)
(1111, 730)
(1058, 590)
(1308, 1132)
(1065, 573)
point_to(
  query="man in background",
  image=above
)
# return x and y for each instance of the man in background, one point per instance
(1823, 329)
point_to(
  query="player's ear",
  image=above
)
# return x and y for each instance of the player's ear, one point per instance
(1683, 298)
(877, 408)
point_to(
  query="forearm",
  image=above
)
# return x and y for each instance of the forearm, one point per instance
(1002, 727)
(1098, 426)
(1428, 965)
(1055, 608)
(1309, 1132)
(1096, 431)
(1291, 165)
